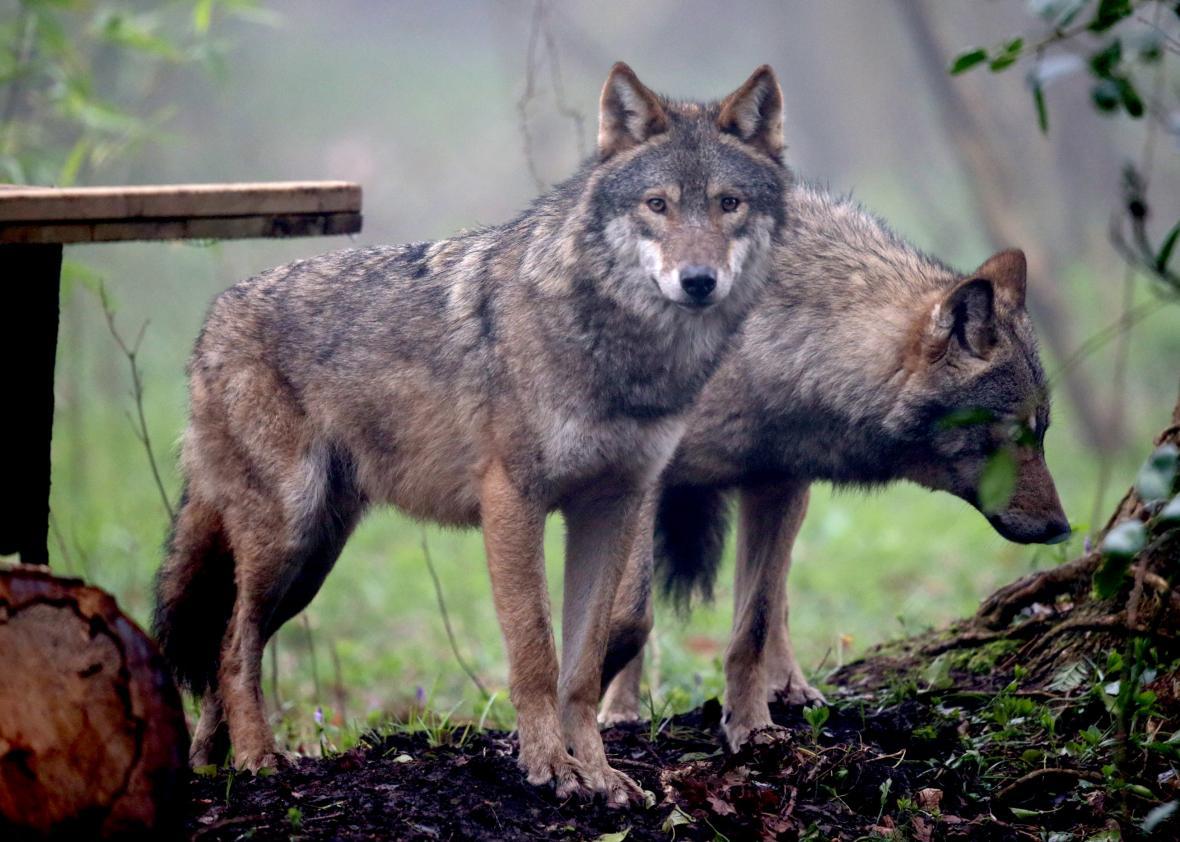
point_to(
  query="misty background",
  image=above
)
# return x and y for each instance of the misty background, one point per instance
(453, 115)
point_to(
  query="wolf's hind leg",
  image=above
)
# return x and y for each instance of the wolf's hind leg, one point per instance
(282, 554)
(785, 678)
(210, 744)
(630, 627)
(769, 523)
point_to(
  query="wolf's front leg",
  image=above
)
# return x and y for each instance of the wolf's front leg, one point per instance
(513, 528)
(770, 519)
(601, 527)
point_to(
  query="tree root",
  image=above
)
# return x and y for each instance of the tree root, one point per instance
(998, 610)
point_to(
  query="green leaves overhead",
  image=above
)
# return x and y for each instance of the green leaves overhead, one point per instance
(1008, 55)
(965, 61)
(1109, 13)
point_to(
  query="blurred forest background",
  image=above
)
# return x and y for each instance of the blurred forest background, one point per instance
(454, 114)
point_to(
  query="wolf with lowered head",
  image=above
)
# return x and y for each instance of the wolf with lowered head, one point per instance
(866, 362)
(486, 380)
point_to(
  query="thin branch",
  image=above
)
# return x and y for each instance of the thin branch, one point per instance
(541, 36)
(442, 606)
(139, 424)
(315, 667)
(530, 93)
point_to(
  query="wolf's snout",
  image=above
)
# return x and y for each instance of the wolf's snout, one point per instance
(1026, 528)
(698, 282)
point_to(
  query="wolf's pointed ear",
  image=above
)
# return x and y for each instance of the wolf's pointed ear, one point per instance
(964, 320)
(628, 112)
(1008, 272)
(754, 112)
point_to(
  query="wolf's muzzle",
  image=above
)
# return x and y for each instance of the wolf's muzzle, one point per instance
(698, 282)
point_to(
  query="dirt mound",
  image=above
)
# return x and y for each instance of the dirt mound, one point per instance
(964, 753)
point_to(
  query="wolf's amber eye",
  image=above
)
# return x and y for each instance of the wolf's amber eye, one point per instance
(657, 204)
(730, 203)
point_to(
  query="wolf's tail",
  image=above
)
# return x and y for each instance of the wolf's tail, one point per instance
(194, 594)
(690, 536)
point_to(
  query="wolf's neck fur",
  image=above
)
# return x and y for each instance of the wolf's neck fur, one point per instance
(819, 370)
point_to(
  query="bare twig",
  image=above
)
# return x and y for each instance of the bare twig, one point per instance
(338, 691)
(541, 35)
(530, 93)
(315, 667)
(442, 606)
(139, 423)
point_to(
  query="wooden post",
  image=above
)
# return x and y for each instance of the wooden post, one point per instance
(28, 350)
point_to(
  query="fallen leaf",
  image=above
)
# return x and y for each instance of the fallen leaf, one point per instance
(721, 807)
(929, 798)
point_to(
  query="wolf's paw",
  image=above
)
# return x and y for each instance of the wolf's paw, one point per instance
(254, 763)
(797, 692)
(617, 715)
(568, 777)
(619, 790)
(739, 729)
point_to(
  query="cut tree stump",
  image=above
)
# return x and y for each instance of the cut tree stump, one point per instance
(93, 742)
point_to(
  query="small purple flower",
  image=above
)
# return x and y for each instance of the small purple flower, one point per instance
(1087, 545)
(420, 696)
(318, 716)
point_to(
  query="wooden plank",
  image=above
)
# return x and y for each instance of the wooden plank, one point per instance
(178, 201)
(211, 228)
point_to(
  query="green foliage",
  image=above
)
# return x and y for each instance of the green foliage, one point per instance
(1009, 54)
(998, 481)
(1118, 548)
(965, 61)
(816, 716)
(1158, 474)
(77, 74)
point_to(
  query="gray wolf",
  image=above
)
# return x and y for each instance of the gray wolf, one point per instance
(866, 362)
(544, 364)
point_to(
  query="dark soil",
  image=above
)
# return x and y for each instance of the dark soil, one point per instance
(965, 755)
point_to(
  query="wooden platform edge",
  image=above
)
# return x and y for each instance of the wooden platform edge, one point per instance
(175, 201)
(206, 228)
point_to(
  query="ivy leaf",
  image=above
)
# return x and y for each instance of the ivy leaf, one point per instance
(998, 481)
(1155, 478)
(1125, 539)
(965, 61)
(1042, 112)
(1109, 575)
(1008, 56)
(1161, 259)
(1130, 97)
(1109, 13)
(1106, 95)
(1105, 61)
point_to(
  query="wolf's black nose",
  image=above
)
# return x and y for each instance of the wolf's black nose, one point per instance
(698, 281)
